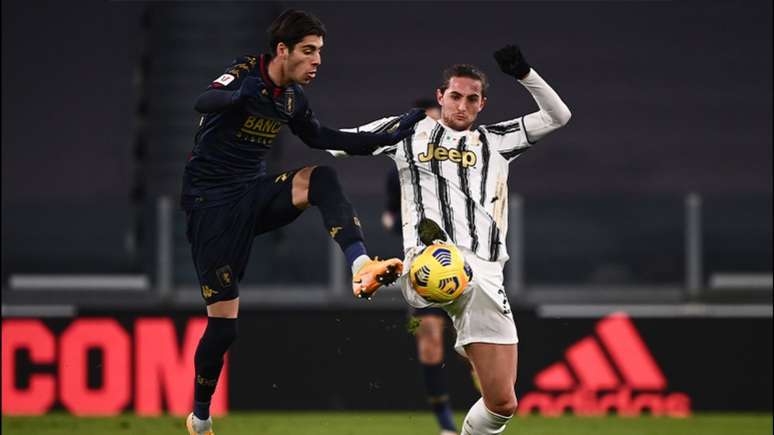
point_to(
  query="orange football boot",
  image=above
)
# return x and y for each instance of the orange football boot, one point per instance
(374, 274)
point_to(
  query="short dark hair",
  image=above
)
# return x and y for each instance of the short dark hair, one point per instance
(464, 70)
(291, 27)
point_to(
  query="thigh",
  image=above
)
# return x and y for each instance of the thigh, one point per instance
(496, 366)
(274, 205)
(482, 314)
(224, 309)
(221, 239)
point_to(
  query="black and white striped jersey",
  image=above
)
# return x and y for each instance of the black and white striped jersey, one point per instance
(460, 178)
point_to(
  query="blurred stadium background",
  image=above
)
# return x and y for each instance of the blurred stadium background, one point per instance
(655, 203)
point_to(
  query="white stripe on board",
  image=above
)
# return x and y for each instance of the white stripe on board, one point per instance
(661, 310)
(39, 310)
(79, 282)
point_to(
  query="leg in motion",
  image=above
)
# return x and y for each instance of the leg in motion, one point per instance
(496, 368)
(319, 186)
(220, 333)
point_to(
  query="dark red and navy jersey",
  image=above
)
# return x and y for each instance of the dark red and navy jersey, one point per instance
(231, 145)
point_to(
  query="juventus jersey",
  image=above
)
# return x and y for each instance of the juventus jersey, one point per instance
(460, 178)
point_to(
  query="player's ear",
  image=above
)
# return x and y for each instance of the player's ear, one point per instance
(483, 103)
(282, 50)
(439, 97)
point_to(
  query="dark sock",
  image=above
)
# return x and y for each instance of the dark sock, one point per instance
(438, 395)
(208, 361)
(354, 251)
(337, 212)
(201, 410)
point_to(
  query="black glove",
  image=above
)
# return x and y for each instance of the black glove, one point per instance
(512, 62)
(249, 88)
(406, 125)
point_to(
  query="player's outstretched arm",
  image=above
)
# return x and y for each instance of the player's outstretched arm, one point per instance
(553, 112)
(308, 128)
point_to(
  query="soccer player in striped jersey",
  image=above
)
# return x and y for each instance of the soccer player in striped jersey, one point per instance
(457, 175)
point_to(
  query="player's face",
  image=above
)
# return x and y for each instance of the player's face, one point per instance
(300, 65)
(461, 102)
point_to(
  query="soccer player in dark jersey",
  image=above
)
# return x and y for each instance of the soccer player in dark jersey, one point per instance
(229, 198)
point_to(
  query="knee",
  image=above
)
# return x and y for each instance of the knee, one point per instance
(224, 330)
(505, 406)
(430, 351)
(323, 176)
(430, 341)
(324, 184)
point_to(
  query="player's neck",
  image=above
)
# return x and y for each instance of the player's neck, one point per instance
(444, 125)
(276, 74)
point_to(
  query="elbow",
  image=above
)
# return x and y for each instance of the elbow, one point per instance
(563, 116)
(201, 107)
(313, 142)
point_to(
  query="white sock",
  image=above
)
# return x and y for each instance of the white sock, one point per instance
(481, 421)
(359, 262)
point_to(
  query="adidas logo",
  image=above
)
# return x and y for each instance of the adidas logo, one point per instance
(612, 370)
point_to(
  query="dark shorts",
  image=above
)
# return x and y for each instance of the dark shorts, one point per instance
(221, 237)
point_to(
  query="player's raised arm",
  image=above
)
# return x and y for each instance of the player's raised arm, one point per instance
(358, 142)
(553, 113)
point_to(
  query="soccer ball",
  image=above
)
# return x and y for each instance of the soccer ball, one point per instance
(439, 273)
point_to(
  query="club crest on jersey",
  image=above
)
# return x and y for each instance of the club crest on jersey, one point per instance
(441, 153)
(225, 276)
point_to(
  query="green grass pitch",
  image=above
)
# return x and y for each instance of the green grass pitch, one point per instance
(385, 423)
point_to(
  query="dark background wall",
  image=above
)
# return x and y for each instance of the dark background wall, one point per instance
(667, 98)
(68, 122)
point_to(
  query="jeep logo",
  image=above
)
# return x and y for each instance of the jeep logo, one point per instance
(437, 152)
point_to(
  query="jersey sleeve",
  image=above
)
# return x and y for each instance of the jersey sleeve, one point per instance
(512, 138)
(382, 125)
(508, 138)
(232, 78)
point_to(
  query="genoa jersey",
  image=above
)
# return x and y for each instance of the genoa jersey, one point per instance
(230, 146)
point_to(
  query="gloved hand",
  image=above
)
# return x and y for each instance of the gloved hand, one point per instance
(406, 125)
(249, 88)
(512, 62)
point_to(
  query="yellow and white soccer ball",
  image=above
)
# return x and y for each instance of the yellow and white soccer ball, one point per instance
(440, 273)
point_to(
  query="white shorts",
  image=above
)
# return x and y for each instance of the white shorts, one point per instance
(482, 313)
